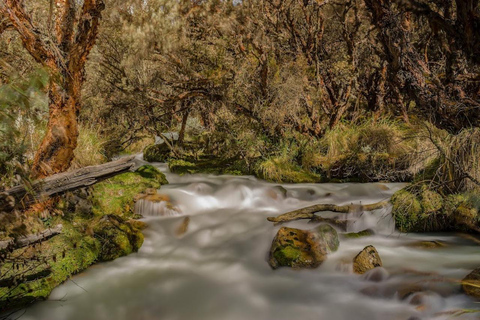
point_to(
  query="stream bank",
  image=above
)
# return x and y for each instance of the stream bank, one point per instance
(98, 224)
(217, 266)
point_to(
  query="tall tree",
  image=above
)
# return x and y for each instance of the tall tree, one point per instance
(63, 49)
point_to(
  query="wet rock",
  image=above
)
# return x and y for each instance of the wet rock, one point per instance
(183, 227)
(366, 260)
(377, 274)
(407, 289)
(302, 248)
(382, 187)
(471, 283)
(155, 197)
(426, 301)
(427, 244)
(361, 234)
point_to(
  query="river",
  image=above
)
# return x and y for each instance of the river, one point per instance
(218, 270)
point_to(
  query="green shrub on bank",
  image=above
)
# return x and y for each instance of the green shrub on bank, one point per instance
(421, 209)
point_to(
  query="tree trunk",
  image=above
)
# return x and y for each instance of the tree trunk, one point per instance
(55, 154)
(64, 56)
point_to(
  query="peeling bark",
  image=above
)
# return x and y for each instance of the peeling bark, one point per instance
(65, 58)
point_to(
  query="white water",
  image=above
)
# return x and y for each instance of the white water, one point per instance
(218, 269)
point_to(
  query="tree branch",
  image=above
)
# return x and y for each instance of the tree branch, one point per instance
(87, 31)
(22, 22)
(309, 212)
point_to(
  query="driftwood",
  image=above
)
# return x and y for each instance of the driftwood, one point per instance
(23, 196)
(309, 212)
(31, 239)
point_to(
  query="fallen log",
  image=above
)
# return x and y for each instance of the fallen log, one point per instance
(23, 196)
(31, 239)
(309, 212)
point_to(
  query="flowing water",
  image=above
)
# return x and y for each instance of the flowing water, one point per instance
(213, 264)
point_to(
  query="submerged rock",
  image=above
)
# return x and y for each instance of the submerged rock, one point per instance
(302, 248)
(366, 260)
(427, 244)
(377, 274)
(471, 283)
(361, 234)
(183, 227)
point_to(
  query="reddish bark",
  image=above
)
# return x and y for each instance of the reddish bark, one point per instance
(65, 58)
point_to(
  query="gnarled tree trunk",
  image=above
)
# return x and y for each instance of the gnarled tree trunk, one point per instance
(65, 58)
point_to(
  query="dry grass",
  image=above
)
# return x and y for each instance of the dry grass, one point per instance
(90, 148)
(454, 159)
(370, 139)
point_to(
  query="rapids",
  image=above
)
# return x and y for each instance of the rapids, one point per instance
(218, 269)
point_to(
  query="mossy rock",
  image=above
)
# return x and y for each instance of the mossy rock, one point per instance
(297, 248)
(157, 153)
(462, 209)
(180, 166)
(406, 210)
(471, 284)
(64, 255)
(431, 201)
(116, 195)
(150, 172)
(117, 237)
(360, 234)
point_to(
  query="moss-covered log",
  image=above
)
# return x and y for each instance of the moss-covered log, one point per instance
(22, 196)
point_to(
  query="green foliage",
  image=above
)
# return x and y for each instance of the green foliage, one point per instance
(22, 105)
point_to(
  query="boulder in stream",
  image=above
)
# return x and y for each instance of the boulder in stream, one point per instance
(471, 284)
(298, 248)
(366, 260)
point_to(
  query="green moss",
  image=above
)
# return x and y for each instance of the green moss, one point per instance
(85, 239)
(361, 234)
(181, 166)
(406, 210)
(286, 256)
(156, 153)
(116, 195)
(209, 165)
(150, 172)
(117, 237)
(64, 255)
(431, 201)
